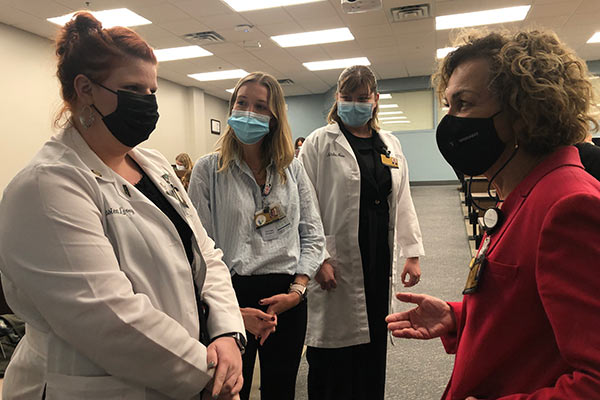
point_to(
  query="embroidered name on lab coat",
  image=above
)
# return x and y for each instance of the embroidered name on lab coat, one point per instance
(330, 154)
(119, 211)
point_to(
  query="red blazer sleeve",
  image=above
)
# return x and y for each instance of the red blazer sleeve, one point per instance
(450, 341)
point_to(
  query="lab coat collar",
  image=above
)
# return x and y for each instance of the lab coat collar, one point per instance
(334, 129)
(73, 138)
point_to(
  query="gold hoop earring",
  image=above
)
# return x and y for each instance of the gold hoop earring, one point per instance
(87, 117)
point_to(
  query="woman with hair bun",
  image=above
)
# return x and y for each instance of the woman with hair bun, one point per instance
(101, 253)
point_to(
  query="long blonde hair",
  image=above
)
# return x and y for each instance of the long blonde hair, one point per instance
(277, 145)
(352, 78)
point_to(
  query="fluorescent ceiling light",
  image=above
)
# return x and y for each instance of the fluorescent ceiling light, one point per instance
(595, 38)
(390, 112)
(383, 96)
(486, 17)
(336, 64)
(109, 18)
(315, 37)
(390, 118)
(441, 53)
(230, 90)
(219, 75)
(396, 122)
(388, 106)
(180, 53)
(247, 5)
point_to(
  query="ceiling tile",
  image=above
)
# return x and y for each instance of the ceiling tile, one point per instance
(164, 12)
(204, 8)
(184, 26)
(268, 16)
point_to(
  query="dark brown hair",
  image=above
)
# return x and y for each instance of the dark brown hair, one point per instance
(84, 47)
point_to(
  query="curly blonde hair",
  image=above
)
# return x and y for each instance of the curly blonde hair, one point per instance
(535, 76)
(277, 146)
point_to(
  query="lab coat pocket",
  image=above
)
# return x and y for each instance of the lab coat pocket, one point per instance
(66, 387)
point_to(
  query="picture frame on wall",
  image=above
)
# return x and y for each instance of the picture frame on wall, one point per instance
(215, 126)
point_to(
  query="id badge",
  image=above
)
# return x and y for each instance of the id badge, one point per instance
(268, 215)
(391, 162)
(476, 267)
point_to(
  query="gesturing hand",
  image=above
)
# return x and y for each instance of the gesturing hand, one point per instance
(326, 276)
(225, 355)
(281, 302)
(258, 323)
(432, 318)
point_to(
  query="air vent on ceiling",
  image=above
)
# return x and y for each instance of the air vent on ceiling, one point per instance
(204, 38)
(285, 82)
(410, 13)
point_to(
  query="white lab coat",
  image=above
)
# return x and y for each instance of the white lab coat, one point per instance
(102, 280)
(338, 318)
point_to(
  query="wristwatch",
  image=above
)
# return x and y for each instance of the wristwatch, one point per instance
(298, 288)
(240, 340)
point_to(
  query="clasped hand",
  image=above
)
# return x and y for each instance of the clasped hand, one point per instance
(224, 355)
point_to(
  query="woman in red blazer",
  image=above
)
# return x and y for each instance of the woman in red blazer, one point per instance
(529, 324)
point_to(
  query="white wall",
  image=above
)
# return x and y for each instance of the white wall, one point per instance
(30, 99)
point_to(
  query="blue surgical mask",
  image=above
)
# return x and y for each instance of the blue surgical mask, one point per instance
(249, 127)
(354, 113)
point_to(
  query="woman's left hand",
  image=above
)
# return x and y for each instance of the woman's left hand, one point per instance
(281, 302)
(412, 272)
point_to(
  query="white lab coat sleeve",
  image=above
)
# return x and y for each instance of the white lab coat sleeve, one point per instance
(199, 192)
(408, 232)
(60, 257)
(224, 312)
(309, 157)
(310, 227)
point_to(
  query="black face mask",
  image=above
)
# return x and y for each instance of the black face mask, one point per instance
(134, 119)
(470, 145)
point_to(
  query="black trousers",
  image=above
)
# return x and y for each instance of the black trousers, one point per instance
(280, 355)
(358, 372)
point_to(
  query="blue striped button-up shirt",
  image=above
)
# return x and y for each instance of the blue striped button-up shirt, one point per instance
(227, 202)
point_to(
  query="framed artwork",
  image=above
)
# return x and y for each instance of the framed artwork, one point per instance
(215, 126)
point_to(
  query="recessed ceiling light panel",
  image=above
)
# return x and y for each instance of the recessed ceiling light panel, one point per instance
(595, 38)
(250, 5)
(180, 53)
(336, 64)
(487, 17)
(109, 18)
(315, 37)
(388, 106)
(383, 96)
(219, 75)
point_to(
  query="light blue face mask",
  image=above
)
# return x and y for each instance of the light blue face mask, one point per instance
(354, 113)
(249, 127)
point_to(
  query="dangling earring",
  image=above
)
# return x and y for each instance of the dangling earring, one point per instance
(87, 117)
